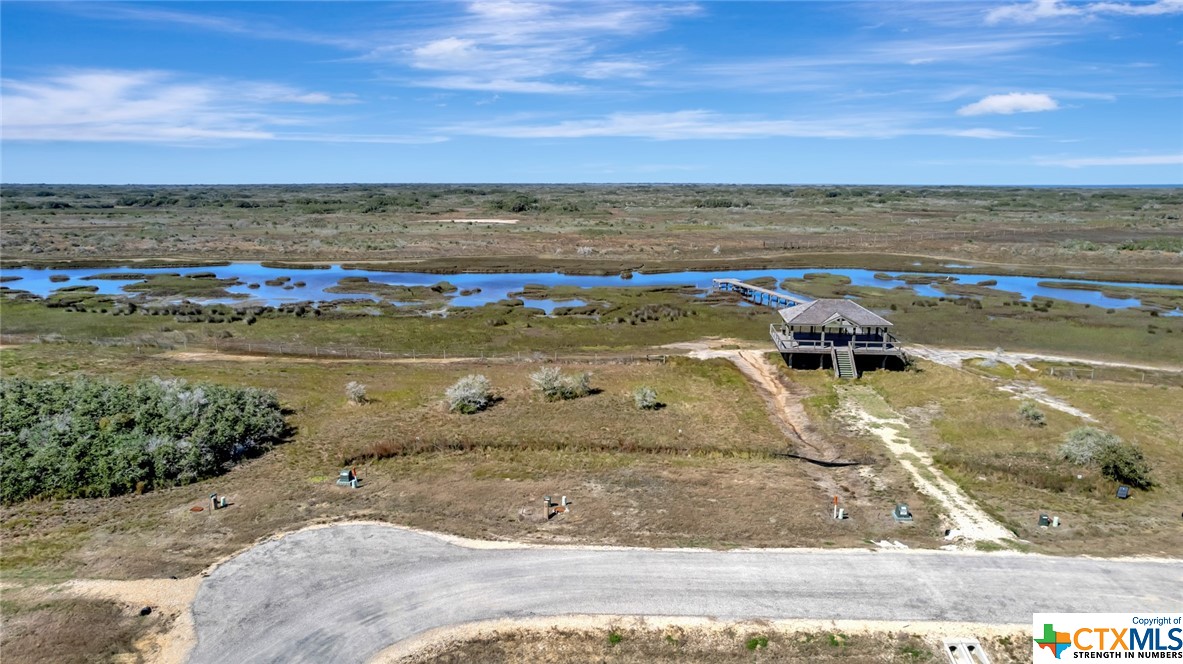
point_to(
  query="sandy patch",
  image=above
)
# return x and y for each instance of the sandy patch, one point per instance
(171, 597)
(967, 520)
(1032, 392)
(952, 357)
(431, 644)
(715, 343)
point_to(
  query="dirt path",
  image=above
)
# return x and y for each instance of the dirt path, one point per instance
(783, 399)
(866, 411)
(1028, 391)
(951, 357)
(215, 356)
(467, 221)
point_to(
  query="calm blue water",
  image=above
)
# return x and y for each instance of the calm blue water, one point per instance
(495, 287)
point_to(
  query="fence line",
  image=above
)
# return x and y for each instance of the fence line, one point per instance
(328, 351)
(457, 354)
(1116, 374)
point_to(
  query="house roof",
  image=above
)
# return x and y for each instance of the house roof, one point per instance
(821, 312)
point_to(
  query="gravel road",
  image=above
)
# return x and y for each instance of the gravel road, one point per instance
(344, 593)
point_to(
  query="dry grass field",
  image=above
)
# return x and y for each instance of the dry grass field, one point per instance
(1015, 471)
(672, 477)
(633, 643)
(69, 631)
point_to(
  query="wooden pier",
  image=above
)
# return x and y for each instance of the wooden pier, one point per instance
(758, 295)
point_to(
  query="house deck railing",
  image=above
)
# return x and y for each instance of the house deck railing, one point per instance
(789, 341)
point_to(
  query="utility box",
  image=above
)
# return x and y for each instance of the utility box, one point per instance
(965, 651)
(1044, 521)
(901, 512)
(1123, 492)
(347, 478)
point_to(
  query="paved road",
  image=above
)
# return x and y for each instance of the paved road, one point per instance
(344, 593)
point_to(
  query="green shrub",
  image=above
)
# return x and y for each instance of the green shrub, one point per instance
(1125, 463)
(1031, 414)
(645, 398)
(756, 642)
(470, 394)
(1083, 446)
(1117, 460)
(615, 637)
(556, 386)
(1174, 244)
(355, 392)
(88, 437)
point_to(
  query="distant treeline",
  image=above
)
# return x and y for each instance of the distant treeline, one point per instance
(87, 438)
(573, 198)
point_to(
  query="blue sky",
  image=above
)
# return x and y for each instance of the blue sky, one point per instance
(1042, 92)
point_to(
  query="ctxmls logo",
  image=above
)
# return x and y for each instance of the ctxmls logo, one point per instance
(1150, 635)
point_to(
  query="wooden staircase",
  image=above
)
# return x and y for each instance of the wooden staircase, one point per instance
(843, 358)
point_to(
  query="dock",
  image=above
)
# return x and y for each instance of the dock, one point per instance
(758, 295)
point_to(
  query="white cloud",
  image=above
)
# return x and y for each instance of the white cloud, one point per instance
(981, 133)
(532, 47)
(148, 106)
(708, 125)
(1030, 12)
(399, 139)
(497, 85)
(1130, 9)
(447, 53)
(1136, 160)
(272, 93)
(1010, 103)
(257, 26)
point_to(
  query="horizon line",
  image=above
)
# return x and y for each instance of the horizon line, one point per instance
(595, 184)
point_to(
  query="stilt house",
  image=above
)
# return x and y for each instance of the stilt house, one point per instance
(840, 334)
